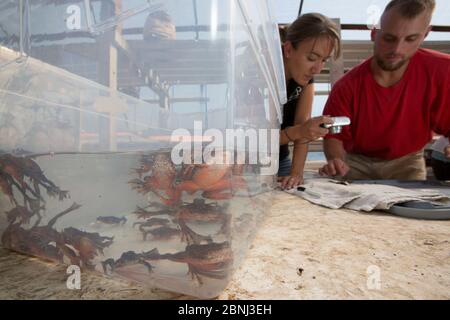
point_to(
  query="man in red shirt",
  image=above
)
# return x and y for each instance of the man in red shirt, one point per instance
(395, 100)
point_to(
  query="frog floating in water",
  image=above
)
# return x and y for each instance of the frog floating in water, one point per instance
(112, 220)
(212, 260)
(130, 258)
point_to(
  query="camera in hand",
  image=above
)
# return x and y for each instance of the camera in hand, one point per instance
(336, 126)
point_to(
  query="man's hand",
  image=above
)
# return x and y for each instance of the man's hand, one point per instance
(447, 151)
(335, 167)
(290, 182)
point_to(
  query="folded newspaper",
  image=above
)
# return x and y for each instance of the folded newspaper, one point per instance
(363, 197)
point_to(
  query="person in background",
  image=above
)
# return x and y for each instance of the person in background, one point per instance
(307, 44)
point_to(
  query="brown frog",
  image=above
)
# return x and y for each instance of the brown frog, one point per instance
(130, 258)
(6, 187)
(161, 233)
(201, 212)
(87, 244)
(112, 220)
(191, 237)
(32, 170)
(43, 241)
(142, 213)
(209, 260)
(152, 222)
(20, 214)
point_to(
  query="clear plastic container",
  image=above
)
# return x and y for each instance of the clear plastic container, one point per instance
(98, 100)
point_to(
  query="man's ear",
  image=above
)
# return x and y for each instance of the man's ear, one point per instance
(428, 31)
(373, 34)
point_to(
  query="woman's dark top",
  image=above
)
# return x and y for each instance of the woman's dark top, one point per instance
(294, 91)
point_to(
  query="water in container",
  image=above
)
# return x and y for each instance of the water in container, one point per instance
(139, 139)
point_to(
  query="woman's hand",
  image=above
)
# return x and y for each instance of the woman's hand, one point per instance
(289, 182)
(311, 129)
(447, 151)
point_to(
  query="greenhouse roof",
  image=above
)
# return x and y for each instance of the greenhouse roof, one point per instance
(354, 12)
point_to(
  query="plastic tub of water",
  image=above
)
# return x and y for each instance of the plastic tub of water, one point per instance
(102, 116)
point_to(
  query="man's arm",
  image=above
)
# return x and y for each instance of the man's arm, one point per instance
(333, 149)
(440, 115)
(339, 103)
(335, 154)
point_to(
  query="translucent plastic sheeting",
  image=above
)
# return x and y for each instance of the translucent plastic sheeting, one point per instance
(118, 65)
(54, 110)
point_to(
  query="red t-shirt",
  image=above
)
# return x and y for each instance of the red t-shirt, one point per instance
(388, 123)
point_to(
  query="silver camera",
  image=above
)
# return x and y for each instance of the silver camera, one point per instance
(336, 126)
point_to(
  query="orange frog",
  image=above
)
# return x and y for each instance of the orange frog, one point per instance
(158, 175)
(217, 181)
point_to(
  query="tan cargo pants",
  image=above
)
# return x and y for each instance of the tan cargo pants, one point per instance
(409, 167)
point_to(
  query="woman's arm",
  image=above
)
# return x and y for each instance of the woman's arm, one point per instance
(305, 128)
(302, 115)
(287, 135)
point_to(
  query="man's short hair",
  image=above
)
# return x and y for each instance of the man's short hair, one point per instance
(411, 8)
